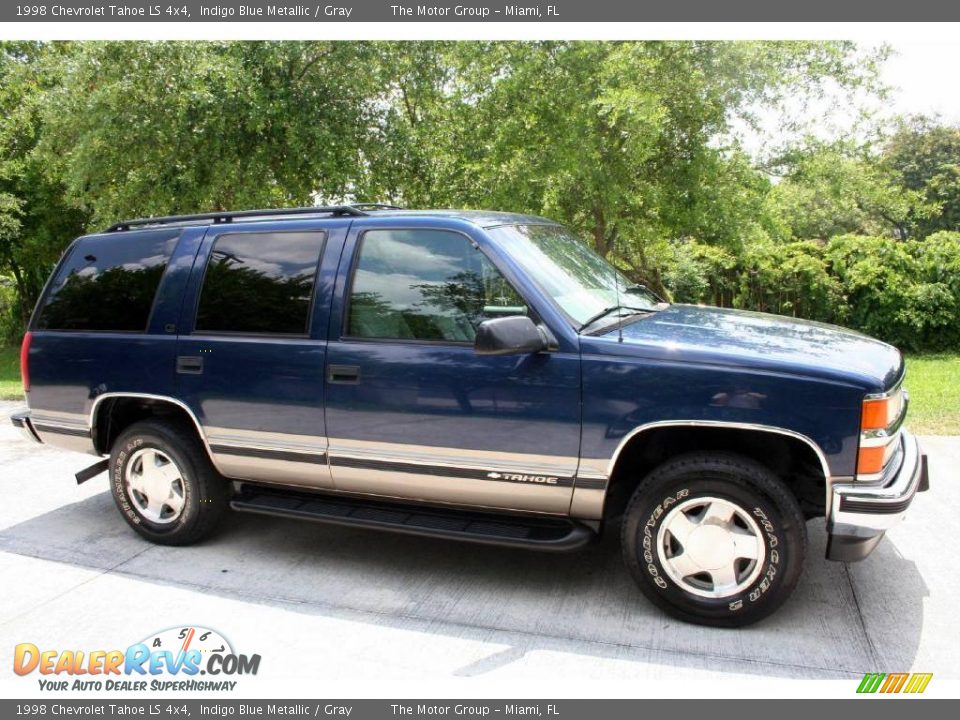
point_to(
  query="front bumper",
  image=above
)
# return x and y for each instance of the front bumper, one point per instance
(21, 420)
(860, 513)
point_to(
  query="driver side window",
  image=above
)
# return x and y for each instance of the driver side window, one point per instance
(430, 285)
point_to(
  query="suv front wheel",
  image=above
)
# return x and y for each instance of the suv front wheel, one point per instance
(714, 538)
(164, 483)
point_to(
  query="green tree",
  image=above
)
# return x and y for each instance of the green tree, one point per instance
(926, 155)
(631, 143)
(35, 221)
(144, 128)
(835, 188)
(628, 142)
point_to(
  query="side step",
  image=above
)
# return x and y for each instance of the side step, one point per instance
(488, 528)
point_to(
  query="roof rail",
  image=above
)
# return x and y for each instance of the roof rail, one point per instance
(217, 218)
(375, 206)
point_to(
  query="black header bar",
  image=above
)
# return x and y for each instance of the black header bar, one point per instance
(579, 11)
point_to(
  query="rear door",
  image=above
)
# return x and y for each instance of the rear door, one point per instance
(252, 347)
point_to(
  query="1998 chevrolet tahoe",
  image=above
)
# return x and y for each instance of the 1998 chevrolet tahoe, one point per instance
(469, 375)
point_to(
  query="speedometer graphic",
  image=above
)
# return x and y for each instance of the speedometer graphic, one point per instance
(183, 639)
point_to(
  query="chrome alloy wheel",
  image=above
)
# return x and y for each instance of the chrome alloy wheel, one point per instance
(155, 486)
(711, 547)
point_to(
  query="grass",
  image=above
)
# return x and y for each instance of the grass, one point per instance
(933, 382)
(10, 387)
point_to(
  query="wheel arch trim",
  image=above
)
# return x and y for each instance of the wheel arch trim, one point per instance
(159, 398)
(590, 503)
(721, 425)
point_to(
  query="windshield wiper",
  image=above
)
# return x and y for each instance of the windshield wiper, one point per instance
(638, 288)
(606, 311)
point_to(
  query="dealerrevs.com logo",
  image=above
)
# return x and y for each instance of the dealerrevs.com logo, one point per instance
(176, 659)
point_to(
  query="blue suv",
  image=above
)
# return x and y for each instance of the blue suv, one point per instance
(468, 375)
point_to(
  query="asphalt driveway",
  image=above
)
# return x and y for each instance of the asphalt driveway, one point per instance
(350, 609)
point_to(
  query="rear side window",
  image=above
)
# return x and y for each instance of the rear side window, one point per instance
(108, 283)
(260, 283)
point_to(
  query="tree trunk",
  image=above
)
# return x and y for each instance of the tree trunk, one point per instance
(600, 243)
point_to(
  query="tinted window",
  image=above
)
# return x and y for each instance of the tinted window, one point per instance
(425, 285)
(260, 283)
(108, 283)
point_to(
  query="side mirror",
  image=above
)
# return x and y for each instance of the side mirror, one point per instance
(517, 335)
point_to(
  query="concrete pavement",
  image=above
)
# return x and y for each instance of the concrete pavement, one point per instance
(391, 612)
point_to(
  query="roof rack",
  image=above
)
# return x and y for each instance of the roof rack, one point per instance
(375, 206)
(217, 218)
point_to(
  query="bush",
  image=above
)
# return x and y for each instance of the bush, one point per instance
(700, 273)
(901, 292)
(939, 260)
(10, 330)
(904, 292)
(791, 279)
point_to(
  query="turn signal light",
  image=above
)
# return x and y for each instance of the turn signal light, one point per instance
(870, 460)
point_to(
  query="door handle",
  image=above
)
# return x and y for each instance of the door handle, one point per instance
(343, 374)
(189, 365)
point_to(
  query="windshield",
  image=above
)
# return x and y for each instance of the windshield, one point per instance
(581, 282)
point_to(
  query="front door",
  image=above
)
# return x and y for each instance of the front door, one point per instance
(251, 354)
(413, 412)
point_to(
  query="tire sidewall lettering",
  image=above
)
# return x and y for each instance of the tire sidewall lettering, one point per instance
(767, 577)
(119, 483)
(647, 543)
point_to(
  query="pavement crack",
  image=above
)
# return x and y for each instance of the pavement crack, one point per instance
(871, 648)
(491, 662)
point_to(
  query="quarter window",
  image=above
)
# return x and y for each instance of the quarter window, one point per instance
(260, 283)
(107, 283)
(425, 285)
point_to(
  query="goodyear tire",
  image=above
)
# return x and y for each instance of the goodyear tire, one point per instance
(714, 539)
(164, 484)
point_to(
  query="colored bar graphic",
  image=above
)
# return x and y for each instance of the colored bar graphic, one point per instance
(870, 683)
(918, 682)
(894, 682)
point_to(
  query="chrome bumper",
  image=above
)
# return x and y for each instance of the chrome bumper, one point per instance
(860, 513)
(21, 420)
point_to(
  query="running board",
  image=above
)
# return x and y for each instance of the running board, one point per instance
(537, 533)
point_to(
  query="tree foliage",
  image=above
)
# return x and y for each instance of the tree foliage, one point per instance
(830, 189)
(628, 142)
(926, 156)
(36, 219)
(633, 144)
(155, 128)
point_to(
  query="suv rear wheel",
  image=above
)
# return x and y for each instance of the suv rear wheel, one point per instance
(714, 538)
(164, 484)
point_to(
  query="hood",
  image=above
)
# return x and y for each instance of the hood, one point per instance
(694, 333)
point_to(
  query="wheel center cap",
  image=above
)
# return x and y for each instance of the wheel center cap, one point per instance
(157, 486)
(710, 546)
